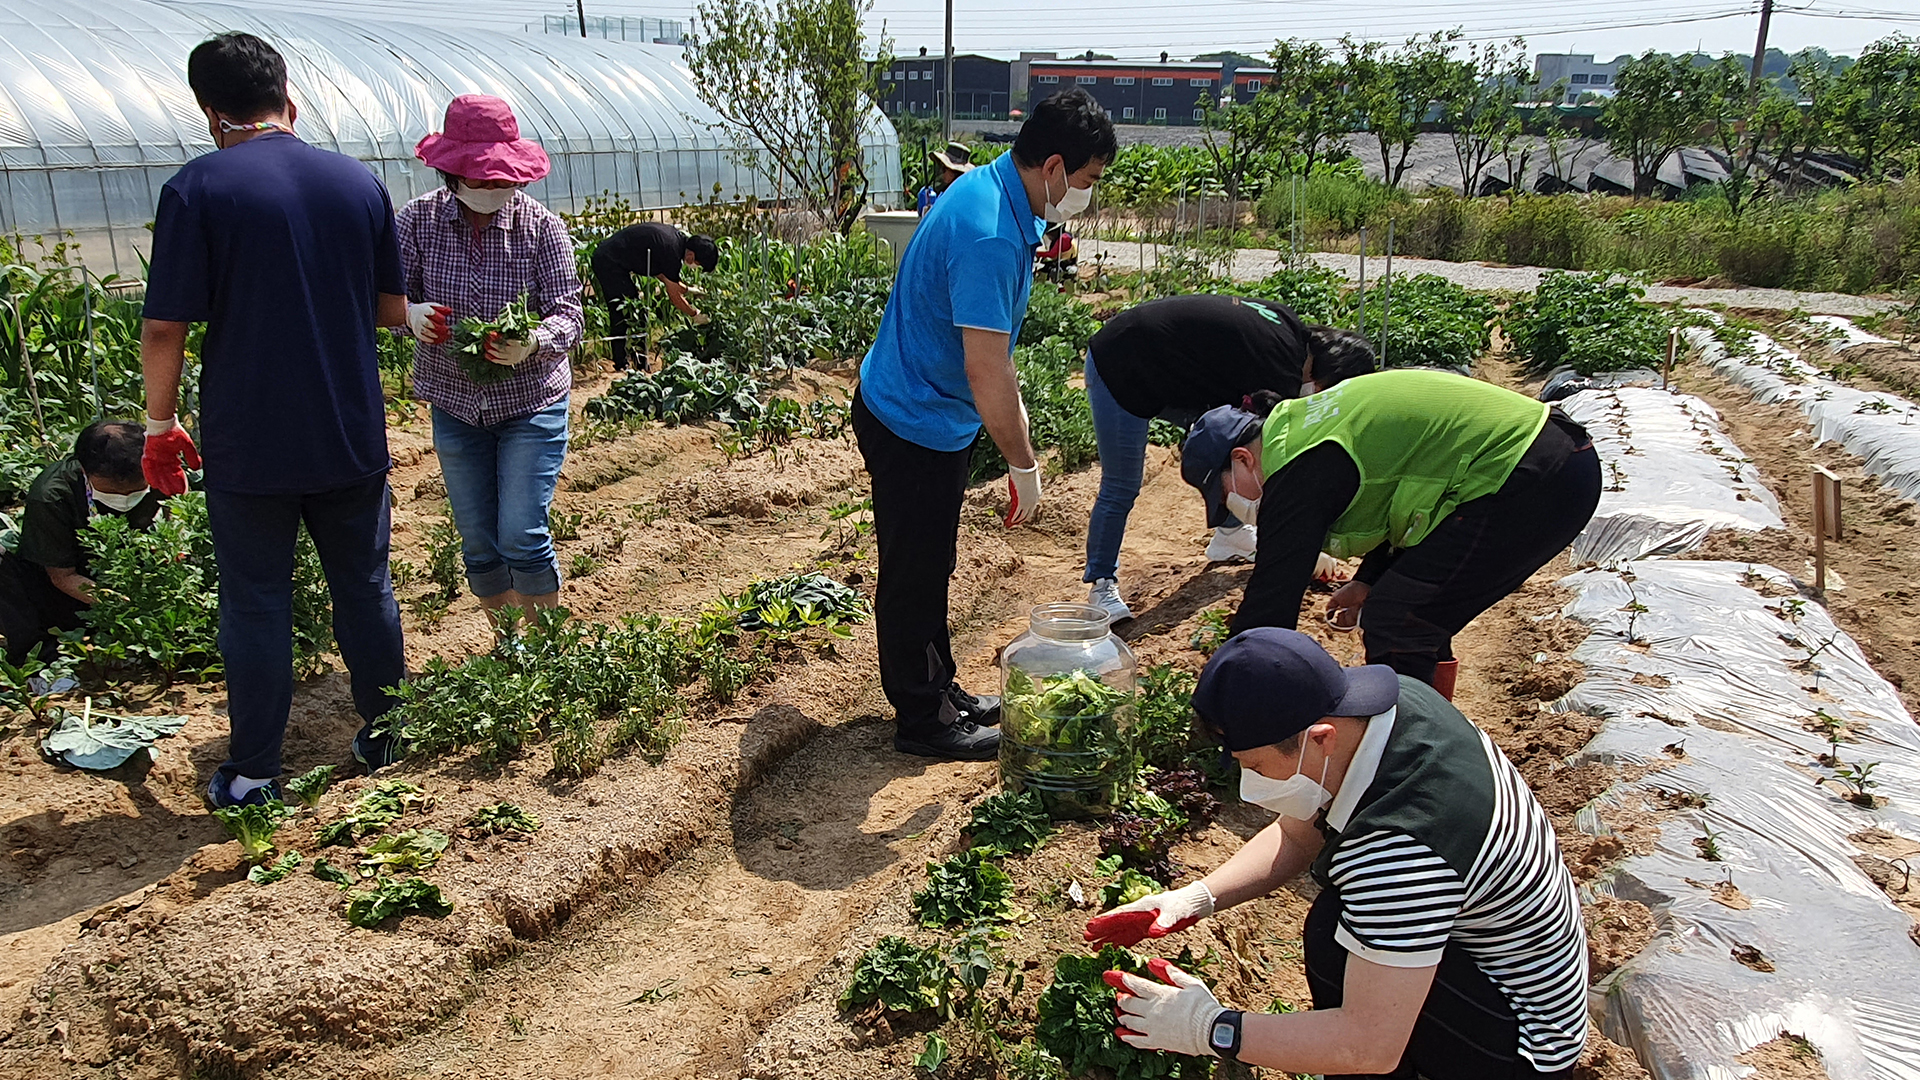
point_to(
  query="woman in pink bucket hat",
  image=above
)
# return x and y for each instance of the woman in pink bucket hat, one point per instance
(471, 249)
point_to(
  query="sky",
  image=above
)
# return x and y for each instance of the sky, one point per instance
(1143, 28)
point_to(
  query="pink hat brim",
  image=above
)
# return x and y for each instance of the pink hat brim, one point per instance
(521, 161)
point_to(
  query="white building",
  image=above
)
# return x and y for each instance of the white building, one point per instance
(1576, 73)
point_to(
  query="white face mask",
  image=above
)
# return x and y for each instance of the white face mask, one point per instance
(1247, 510)
(1295, 797)
(1074, 201)
(483, 200)
(120, 503)
(1309, 387)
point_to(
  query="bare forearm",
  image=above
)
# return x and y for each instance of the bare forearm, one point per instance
(163, 353)
(72, 582)
(677, 296)
(1322, 1042)
(1268, 861)
(996, 395)
(391, 310)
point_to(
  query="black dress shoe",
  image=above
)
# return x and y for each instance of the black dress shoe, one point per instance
(962, 740)
(982, 709)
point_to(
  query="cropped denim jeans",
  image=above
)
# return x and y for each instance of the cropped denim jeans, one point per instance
(500, 480)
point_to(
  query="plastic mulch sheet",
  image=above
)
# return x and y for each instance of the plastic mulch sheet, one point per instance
(1883, 430)
(1726, 665)
(1670, 475)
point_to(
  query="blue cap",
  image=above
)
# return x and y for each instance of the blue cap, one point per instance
(1266, 685)
(1208, 450)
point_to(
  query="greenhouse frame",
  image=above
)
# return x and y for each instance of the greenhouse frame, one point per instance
(96, 115)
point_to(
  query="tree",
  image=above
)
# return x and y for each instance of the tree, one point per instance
(1394, 91)
(1659, 105)
(1874, 108)
(790, 76)
(1566, 144)
(1731, 104)
(1310, 93)
(1478, 108)
(1237, 134)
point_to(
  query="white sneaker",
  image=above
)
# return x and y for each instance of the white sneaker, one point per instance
(1105, 595)
(1234, 544)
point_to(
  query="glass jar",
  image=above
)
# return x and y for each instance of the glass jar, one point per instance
(1067, 700)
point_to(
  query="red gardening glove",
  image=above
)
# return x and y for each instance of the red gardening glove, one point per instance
(1153, 916)
(164, 452)
(1118, 980)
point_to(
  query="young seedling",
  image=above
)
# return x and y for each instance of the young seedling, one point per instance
(308, 787)
(1709, 846)
(1634, 610)
(1212, 631)
(502, 817)
(254, 827)
(1860, 782)
(1617, 476)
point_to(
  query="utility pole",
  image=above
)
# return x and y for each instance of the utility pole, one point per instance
(1760, 46)
(946, 101)
(580, 8)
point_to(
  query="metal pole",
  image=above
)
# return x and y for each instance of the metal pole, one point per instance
(93, 357)
(1386, 295)
(580, 8)
(1760, 45)
(946, 103)
(1363, 281)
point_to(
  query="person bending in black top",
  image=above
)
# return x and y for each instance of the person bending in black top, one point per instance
(44, 584)
(1175, 359)
(649, 249)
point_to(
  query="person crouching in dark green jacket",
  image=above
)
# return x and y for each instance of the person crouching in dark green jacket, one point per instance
(1454, 490)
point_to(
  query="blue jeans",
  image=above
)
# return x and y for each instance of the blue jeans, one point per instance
(500, 481)
(1122, 441)
(253, 538)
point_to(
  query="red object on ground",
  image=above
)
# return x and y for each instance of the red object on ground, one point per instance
(1445, 674)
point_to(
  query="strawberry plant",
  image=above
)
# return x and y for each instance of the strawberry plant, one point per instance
(966, 889)
(899, 977)
(1010, 823)
(514, 323)
(392, 897)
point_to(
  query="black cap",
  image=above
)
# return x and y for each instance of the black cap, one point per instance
(1208, 450)
(1266, 685)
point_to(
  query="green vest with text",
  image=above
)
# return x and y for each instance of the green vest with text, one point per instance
(1425, 442)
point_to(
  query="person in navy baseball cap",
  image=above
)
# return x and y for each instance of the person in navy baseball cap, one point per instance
(1205, 457)
(1445, 939)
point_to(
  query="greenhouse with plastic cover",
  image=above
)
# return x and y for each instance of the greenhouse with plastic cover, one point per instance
(95, 113)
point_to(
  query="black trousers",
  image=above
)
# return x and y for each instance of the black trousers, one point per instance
(1466, 1029)
(1479, 554)
(917, 494)
(32, 611)
(615, 286)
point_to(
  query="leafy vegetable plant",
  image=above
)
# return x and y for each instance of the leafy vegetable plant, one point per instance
(1068, 730)
(266, 875)
(1592, 322)
(410, 849)
(253, 826)
(1162, 727)
(1142, 842)
(308, 787)
(966, 889)
(502, 817)
(396, 896)
(1010, 823)
(514, 323)
(1076, 1023)
(378, 808)
(1131, 885)
(900, 977)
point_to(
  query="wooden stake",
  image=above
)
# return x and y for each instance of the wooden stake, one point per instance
(1826, 521)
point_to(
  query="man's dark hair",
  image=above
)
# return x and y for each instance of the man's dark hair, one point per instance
(238, 76)
(705, 252)
(111, 449)
(1071, 124)
(1339, 354)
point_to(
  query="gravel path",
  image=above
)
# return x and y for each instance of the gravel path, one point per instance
(1252, 264)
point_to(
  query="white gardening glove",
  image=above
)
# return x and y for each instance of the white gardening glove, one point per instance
(1176, 1015)
(428, 322)
(1023, 494)
(1329, 569)
(1152, 916)
(702, 319)
(507, 353)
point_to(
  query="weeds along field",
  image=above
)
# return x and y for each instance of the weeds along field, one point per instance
(667, 835)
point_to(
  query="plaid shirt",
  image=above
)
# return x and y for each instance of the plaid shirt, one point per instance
(525, 249)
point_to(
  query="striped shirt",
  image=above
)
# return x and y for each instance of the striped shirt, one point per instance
(525, 250)
(1435, 842)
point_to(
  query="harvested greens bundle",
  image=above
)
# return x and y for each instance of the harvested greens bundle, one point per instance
(516, 323)
(1065, 740)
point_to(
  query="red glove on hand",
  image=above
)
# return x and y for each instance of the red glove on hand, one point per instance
(167, 444)
(1153, 916)
(1023, 494)
(1175, 1013)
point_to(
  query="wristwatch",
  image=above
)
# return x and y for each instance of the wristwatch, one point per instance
(1224, 1036)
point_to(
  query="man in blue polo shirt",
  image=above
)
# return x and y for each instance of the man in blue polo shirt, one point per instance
(941, 367)
(289, 255)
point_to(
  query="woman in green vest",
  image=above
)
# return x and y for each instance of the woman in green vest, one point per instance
(1454, 490)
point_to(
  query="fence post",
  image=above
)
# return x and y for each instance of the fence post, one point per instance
(1362, 309)
(1826, 521)
(1386, 295)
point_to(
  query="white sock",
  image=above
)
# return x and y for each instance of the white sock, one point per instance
(239, 786)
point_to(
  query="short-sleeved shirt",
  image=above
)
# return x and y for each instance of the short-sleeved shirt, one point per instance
(647, 248)
(1198, 352)
(970, 265)
(59, 505)
(1435, 842)
(283, 251)
(524, 251)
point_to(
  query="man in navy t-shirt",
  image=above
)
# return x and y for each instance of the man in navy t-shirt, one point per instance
(289, 255)
(940, 369)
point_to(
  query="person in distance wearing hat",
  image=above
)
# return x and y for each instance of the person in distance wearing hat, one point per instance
(1446, 941)
(1454, 489)
(471, 248)
(288, 253)
(955, 161)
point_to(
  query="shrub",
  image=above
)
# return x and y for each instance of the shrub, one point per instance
(1434, 323)
(1588, 322)
(1315, 293)
(1541, 230)
(1440, 227)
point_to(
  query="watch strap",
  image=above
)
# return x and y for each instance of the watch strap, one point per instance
(1223, 1035)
